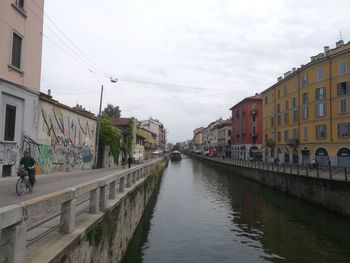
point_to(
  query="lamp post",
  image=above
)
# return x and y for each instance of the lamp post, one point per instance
(113, 80)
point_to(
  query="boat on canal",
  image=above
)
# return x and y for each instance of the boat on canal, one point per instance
(176, 156)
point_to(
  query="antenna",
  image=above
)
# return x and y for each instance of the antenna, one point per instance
(341, 35)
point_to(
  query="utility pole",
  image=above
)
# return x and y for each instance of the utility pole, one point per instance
(98, 130)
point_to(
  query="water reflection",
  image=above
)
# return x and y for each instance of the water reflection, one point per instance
(205, 215)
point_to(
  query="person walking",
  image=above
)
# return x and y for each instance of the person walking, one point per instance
(27, 162)
(129, 161)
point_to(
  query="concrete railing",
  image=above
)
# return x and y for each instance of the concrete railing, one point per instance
(17, 220)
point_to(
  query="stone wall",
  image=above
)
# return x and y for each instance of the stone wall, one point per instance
(331, 194)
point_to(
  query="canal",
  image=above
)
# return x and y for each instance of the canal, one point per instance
(203, 214)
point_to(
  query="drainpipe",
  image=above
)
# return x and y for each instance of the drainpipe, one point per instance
(330, 99)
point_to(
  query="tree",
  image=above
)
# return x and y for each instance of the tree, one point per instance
(111, 111)
(110, 136)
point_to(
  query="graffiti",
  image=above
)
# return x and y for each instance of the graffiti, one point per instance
(71, 138)
(87, 155)
(45, 155)
(8, 153)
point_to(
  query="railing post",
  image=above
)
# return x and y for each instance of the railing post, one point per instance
(330, 171)
(133, 176)
(68, 216)
(297, 168)
(290, 168)
(307, 170)
(284, 167)
(112, 189)
(121, 185)
(103, 197)
(128, 180)
(317, 172)
(94, 201)
(346, 176)
(17, 242)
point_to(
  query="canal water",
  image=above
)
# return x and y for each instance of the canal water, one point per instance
(204, 214)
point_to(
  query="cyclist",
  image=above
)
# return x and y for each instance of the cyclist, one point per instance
(27, 162)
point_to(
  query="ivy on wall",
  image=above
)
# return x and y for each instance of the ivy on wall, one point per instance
(130, 137)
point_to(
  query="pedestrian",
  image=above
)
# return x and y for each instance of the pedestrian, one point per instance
(313, 162)
(28, 163)
(329, 162)
(223, 157)
(123, 162)
(129, 161)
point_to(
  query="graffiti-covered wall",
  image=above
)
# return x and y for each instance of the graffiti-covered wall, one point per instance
(66, 139)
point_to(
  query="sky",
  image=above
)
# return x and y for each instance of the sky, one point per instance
(183, 62)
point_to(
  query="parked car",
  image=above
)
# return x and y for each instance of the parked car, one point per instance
(212, 153)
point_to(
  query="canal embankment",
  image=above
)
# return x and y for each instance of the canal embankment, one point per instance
(328, 193)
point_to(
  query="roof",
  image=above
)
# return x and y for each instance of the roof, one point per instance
(256, 97)
(120, 121)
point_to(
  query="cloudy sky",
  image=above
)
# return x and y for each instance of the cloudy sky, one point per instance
(184, 62)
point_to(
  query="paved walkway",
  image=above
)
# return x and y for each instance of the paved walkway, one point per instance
(48, 183)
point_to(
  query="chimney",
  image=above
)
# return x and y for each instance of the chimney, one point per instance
(49, 93)
(279, 78)
(326, 49)
(294, 69)
(339, 43)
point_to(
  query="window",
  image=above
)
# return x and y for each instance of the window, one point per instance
(10, 123)
(305, 112)
(305, 133)
(294, 109)
(278, 119)
(286, 106)
(266, 123)
(344, 130)
(320, 94)
(285, 91)
(342, 67)
(294, 133)
(342, 88)
(343, 105)
(285, 118)
(278, 136)
(286, 136)
(254, 118)
(304, 81)
(319, 74)
(266, 100)
(278, 108)
(320, 109)
(305, 98)
(16, 50)
(271, 121)
(294, 102)
(321, 131)
(20, 4)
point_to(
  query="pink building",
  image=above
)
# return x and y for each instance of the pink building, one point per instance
(21, 26)
(247, 128)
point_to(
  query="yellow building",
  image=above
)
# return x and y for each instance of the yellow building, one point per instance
(306, 113)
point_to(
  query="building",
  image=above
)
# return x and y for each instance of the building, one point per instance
(224, 137)
(156, 127)
(145, 143)
(247, 128)
(21, 26)
(198, 139)
(306, 113)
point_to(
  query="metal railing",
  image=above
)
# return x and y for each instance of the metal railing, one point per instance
(61, 209)
(330, 172)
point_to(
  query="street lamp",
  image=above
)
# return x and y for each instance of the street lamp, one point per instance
(113, 80)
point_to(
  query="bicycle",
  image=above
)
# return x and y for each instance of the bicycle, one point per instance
(23, 182)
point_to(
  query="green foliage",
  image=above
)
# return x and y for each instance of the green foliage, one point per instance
(110, 136)
(131, 136)
(111, 111)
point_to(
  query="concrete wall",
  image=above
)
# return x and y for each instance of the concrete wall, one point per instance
(65, 139)
(330, 194)
(26, 103)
